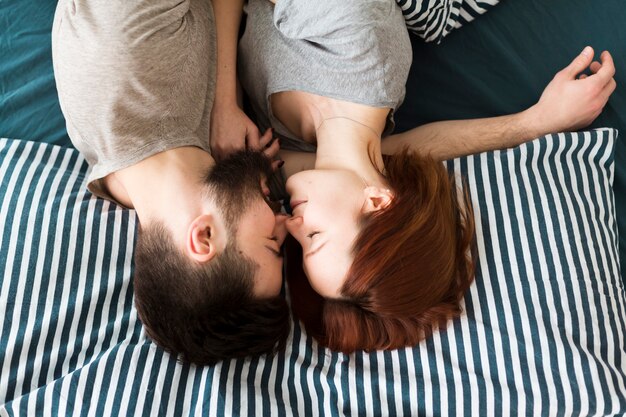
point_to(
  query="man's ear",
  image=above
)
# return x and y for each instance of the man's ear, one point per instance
(205, 238)
(376, 198)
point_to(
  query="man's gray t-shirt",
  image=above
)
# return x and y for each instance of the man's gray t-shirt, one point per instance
(135, 78)
(352, 50)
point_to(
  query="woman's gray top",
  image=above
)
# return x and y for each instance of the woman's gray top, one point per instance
(351, 50)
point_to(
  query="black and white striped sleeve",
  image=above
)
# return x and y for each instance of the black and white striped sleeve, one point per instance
(432, 20)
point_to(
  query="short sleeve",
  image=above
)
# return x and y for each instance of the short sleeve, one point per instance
(433, 20)
(328, 19)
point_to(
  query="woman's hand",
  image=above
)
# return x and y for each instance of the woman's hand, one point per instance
(571, 102)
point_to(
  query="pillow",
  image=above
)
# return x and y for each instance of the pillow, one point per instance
(543, 330)
(545, 317)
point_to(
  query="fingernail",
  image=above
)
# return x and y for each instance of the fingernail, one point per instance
(281, 163)
(587, 51)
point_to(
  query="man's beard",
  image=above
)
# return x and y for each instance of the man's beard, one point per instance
(235, 183)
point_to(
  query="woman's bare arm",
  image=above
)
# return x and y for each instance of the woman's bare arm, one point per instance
(296, 161)
(568, 103)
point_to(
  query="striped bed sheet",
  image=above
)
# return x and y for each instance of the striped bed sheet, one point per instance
(433, 20)
(543, 332)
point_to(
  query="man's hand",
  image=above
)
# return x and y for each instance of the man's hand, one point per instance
(231, 131)
(571, 102)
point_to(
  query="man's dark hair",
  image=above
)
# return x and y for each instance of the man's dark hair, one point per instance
(204, 313)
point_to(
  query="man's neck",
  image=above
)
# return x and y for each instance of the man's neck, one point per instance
(163, 186)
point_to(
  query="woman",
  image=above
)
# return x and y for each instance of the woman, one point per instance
(385, 244)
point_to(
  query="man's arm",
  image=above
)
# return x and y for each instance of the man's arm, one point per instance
(568, 103)
(231, 129)
(227, 20)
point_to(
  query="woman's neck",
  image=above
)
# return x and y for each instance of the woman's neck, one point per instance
(347, 134)
(346, 143)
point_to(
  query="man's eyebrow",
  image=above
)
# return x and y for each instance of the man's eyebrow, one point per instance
(274, 251)
(313, 252)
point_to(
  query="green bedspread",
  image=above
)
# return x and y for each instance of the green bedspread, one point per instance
(29, 107)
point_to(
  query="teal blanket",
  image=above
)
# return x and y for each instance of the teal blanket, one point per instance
(500, 65)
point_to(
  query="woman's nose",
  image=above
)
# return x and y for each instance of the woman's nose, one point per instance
(294, 226)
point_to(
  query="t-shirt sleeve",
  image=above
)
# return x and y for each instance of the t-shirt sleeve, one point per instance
(134, 78)
(328, 19)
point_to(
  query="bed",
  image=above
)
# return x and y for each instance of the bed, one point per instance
(544, 327)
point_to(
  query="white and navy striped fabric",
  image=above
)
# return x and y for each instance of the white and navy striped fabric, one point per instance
(432, 20)
(543, 331)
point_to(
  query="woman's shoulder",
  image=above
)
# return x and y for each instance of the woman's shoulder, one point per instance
(332, 19)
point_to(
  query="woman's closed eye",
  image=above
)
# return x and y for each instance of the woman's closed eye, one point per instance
(310, 235)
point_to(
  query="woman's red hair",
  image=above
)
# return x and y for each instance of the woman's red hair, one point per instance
(412, 265)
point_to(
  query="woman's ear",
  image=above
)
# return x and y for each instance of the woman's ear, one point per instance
(205, 238)
(376, 198)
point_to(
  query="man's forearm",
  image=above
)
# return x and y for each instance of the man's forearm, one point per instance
(451, 139)
(227, 20)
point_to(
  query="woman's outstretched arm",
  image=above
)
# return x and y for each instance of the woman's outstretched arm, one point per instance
(568, 103)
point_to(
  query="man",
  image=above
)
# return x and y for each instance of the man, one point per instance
(136, 82)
